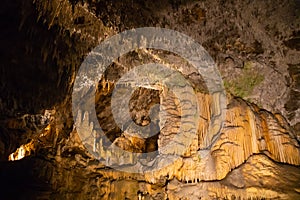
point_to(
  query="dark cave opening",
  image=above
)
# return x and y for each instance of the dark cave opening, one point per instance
(140, 106)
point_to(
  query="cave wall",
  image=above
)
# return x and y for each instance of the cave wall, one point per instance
(257, 155)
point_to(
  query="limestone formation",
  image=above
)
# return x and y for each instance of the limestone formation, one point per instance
(248, 149)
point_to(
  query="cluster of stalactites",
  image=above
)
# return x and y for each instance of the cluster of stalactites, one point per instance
(246, 131)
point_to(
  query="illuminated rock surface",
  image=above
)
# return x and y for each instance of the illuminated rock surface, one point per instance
(255, 155)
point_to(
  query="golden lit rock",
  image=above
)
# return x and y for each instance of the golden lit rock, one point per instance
(253, 153)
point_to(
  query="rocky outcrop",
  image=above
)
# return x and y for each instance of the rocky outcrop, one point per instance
(257, 178)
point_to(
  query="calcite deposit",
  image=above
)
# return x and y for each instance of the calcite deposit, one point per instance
(238, 142)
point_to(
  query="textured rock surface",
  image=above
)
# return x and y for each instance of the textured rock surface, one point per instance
(256, 47)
